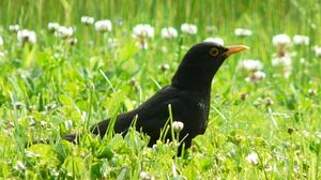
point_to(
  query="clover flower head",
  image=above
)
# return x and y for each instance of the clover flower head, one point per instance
(53, 26)
(281, 40)
(145, 176)
(250, 65)
(64, 32)
(301, 40)
(178, 126)
(190, 29)
(252, 158)
(169, 33)
(142, 31)
(87, 20)
(241, 32)
(14, 28)
(104, 25)
(26, 36)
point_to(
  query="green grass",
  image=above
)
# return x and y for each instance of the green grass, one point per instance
(46, 85)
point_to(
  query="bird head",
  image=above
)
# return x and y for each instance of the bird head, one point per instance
(200, 64)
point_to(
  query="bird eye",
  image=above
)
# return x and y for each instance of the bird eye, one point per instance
(214, 52)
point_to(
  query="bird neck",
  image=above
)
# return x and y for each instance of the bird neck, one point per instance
(193, 78)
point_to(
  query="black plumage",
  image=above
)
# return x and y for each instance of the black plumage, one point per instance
(188, 95)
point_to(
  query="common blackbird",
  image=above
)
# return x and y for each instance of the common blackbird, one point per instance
(188, 94)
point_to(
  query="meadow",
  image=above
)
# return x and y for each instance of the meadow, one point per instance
(61, 72)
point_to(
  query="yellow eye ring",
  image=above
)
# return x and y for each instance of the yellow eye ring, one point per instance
(214, 52)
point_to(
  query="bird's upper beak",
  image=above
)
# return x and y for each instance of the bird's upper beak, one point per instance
(235, 49)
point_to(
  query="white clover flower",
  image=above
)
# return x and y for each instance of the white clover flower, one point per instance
(26, 36)
(252, 158)
(285, 60)
(87, 20)
(250, 65)
(241, 32)
(68, 124)
(145, 176)
(103, 25)
(143, 31)
(281, 40)
(256, 76)
(301, 40)
(178, 126)
(169, 33)
(14, 28)
(53, 26)
(20, 166)
(64, 32)
(317, 51)
(216, 40)
(190, 29)
(1, 41)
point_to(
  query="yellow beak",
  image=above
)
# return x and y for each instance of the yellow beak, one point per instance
(235, 49)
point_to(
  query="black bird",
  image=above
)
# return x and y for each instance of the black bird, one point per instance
(188, 94)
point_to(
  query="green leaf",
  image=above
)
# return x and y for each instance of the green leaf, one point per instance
(105, 152)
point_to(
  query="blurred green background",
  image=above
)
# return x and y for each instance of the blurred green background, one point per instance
(273, 15)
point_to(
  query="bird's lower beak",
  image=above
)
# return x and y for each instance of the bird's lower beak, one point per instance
(235, 49)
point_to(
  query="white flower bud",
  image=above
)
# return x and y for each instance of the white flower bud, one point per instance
(177, 126)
